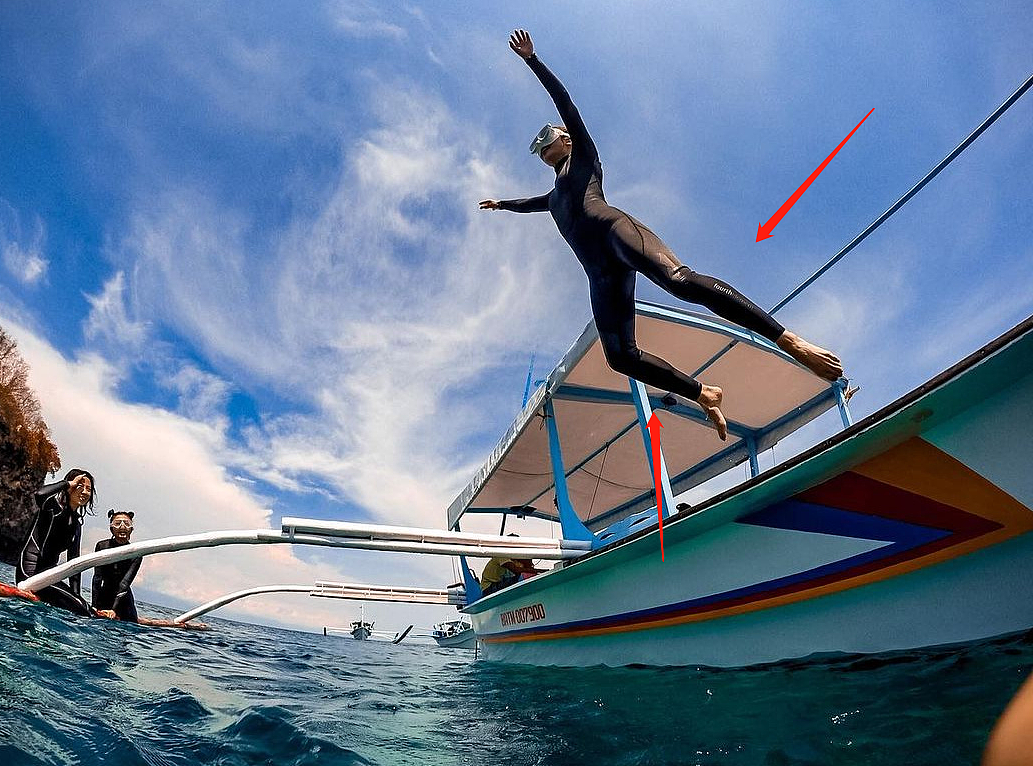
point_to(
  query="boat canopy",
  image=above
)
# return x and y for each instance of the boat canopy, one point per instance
(601, 432)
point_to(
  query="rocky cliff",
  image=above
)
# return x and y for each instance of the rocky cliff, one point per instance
(19, 479)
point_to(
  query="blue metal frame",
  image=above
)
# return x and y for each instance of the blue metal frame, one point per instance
(535, 514)
(473, 585)
(731, 452)
(527, 384)
(573, 528)
(602, 395)
(644, 411)
(844, 411)
(751, 445)
(751, 441)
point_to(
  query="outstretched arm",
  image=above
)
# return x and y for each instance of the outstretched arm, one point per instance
(537, 204)
(520, 42)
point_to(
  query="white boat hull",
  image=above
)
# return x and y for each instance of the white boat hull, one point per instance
(466, 639)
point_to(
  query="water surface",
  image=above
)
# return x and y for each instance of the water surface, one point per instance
(75, 691)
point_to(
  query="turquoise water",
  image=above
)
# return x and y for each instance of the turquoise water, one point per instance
(96, 692)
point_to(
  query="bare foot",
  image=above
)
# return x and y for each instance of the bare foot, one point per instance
(822, 363)
(710, 401)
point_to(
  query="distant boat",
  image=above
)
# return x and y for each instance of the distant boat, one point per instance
(360, 629)
(456, 634)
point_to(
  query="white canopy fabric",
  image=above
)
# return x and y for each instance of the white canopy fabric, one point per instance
(766, 396)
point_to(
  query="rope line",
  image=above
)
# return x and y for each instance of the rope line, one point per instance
(891, 210)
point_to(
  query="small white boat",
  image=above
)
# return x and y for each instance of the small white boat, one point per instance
(457, 634)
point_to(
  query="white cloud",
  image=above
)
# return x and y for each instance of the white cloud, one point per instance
(384, 316)
(361, 19)
(380, 316)
(22, 252)
(168, 468)
(108, 320)
(202, 396)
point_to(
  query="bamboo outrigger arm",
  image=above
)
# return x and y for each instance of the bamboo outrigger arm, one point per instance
(227, 598)
(338, 535)
(351, 591)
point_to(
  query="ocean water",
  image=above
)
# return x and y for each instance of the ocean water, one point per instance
(76, 691)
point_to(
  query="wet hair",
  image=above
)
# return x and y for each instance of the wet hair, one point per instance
(112, 513)
(93, 489)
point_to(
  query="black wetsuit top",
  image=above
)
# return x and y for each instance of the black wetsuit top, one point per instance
(612, 247)
(111, 584)
(55, 530)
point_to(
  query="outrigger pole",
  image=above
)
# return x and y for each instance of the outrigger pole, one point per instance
(329, 534)
(227, 598)
(399, 594)
(352, 591)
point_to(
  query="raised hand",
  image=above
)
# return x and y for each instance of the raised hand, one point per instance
(79, 490)
(520, 42)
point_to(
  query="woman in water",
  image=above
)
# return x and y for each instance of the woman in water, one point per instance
(612, 247)
(112, 595)
(57, 529)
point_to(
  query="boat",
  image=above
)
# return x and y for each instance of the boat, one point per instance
(910, 528)
(360, 629)
(455, 634)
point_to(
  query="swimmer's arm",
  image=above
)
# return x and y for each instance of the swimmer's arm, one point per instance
(50, 489)
(75, 581)
(1011, 741)
(127, 580)
(521, 44)
(537, 204)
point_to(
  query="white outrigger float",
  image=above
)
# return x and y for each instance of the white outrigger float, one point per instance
(350, 591)
(335, 534)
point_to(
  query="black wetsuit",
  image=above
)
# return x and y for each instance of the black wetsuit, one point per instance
(55, 530)
(612, 246)
(111, 584)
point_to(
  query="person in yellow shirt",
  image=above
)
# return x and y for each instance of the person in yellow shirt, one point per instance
(501, 572)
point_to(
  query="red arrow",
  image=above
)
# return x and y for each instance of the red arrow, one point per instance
(764, 230)
(655, 425)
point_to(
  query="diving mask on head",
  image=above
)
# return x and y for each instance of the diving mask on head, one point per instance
(545, 137)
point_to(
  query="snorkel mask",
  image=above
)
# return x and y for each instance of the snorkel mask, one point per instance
(545, 137)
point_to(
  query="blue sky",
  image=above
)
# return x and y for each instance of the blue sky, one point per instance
(242, 251)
